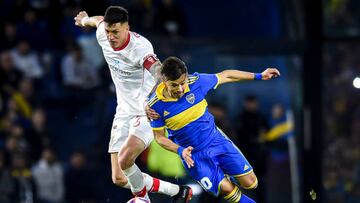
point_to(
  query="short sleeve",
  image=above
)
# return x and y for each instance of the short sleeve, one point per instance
(208, 82)
(146, 53)
(100, 32)
(157, 124)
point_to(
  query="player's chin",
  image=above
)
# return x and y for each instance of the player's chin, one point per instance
(114, 45)
(178, 95)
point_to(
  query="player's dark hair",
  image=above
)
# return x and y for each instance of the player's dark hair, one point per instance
(116, 14)
(172, 68)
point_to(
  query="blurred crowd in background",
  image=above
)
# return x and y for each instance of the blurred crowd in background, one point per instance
(57, 100)
(341, 168)
(341, 163)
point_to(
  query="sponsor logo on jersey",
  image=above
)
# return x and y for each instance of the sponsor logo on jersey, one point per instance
(116, 68)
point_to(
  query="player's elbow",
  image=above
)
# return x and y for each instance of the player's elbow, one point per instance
(224, 77)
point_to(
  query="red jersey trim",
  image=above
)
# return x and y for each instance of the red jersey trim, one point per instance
(149, 61)
(125, 44)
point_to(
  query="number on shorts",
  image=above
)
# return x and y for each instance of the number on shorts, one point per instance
(137, 122)
(206, 183)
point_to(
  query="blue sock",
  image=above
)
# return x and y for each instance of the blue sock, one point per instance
(236, 196)
(246, 199)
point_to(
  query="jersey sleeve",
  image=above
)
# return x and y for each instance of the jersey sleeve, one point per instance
(157, 124)
(146, 55)
(208, 82)
(100, 32)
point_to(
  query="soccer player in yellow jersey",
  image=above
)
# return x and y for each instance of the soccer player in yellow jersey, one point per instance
(206, 152)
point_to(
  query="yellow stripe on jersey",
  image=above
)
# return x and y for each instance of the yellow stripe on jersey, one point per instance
(182, 119)
(159, 128)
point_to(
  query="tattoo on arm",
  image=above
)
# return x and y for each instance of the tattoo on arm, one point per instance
(155, 71)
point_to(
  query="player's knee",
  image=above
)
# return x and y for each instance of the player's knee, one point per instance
(119, 180)
(226, 191)
(250, 182)
(226, 187)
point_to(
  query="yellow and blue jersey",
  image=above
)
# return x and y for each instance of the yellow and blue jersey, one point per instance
(187, 119)
(190, 124)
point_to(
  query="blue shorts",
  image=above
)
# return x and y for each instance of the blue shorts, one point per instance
(214, 161)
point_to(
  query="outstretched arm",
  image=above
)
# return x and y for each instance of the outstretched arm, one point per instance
(227, 76)
(169, 145)
(83, 20)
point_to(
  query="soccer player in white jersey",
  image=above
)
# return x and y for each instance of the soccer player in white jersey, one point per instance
(133, 67)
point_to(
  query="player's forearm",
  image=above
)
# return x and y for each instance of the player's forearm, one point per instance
(166, 143)
(236, 75)
(91, 21)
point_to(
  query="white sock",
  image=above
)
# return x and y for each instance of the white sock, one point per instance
(135, 178)
(148, 180)
(168, 188)
(127, 186)
(159, 186)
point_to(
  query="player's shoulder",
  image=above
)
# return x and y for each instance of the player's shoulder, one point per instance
(100, 31)
(198, 78)
(205, 77)
(140, 40)
(192, 78)
(153, 101)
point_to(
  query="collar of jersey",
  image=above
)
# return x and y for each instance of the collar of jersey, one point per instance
(160, 89)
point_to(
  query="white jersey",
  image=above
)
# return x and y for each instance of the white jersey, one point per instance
(127, 66)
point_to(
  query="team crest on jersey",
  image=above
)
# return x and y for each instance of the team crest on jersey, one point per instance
(190, 98)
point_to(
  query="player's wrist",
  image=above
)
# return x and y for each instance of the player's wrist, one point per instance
(257, 76)
(83, 20)
(180, 151)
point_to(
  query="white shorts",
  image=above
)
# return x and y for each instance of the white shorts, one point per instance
(130, 125)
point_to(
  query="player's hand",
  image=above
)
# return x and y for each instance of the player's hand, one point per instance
(186, 154)
(81, 15)
(270, 73)
(151, 114)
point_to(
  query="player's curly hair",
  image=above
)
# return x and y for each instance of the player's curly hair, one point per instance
(172, 68)
(116, 14)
